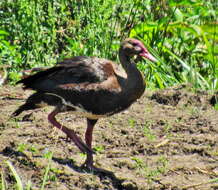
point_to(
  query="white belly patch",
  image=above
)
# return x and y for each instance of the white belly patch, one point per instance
(88, 115)
(79, 110)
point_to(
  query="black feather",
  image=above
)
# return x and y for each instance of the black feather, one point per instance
(27, 82)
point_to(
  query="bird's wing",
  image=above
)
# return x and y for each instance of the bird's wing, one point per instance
(75, 74)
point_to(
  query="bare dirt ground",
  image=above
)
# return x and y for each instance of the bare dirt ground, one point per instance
(167, 140)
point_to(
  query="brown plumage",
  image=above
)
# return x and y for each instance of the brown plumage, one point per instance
(88, 86)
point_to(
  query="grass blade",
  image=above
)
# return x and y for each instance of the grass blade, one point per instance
(47, 171)
(2, 182)
(28, 187)
(15, 174)
(189, 69)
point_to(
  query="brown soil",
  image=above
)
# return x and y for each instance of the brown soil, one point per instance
(167, 140)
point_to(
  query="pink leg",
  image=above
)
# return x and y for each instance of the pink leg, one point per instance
(89, 130)
(70, 133)
(88, 138)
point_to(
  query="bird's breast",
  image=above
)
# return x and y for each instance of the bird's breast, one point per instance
(88, 115)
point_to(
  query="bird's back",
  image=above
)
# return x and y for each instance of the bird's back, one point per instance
(83, 83)
(77, 70)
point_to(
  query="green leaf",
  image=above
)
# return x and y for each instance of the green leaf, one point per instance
(2, 185)
(16, 176)
(178, 14)
(2, 32)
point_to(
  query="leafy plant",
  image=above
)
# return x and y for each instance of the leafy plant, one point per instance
(181, 35)
(184, 43)
(22, 147)
(148, 132)
(48, 155)
(132, 122)
(99, 149)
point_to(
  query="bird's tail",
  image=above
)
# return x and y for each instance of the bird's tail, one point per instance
(31, 103)
(37, 100)
(22, 108)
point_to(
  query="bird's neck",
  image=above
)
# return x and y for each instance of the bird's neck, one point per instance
(129, 67)
(134, 82)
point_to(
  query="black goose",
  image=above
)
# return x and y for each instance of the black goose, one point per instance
(88, 86)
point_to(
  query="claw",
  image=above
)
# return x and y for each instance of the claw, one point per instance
(92, 168)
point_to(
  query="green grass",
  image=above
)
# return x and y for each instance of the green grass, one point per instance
(99, 149)
(181, 34)
(132, 122)
(151, 173)
(19, 185)
(148, 131)
(48, 155)
(2, 184)
(18, 182)
(216, 106)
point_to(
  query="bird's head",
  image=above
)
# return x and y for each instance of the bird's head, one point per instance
(133, 47)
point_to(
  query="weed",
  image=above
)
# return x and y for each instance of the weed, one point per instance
(83, 155)
(47, 155)
(99, 149)
(213, 152)
(19, 184)
(132, 122)
(22, 147)
(110, 124)
(151, 173)
(25, 147)
(148, 131)
(139, 162)
(33, 149)
(216, 106)
(194, 111)
(56, 170)
(15, 122)
(167, 130)
(2, 184)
